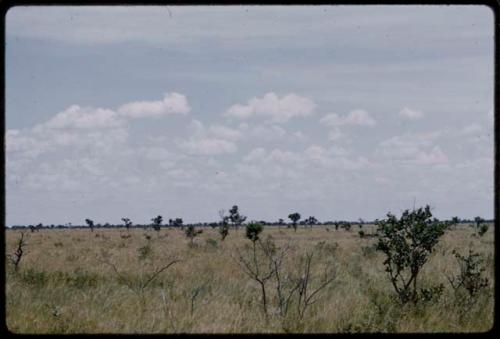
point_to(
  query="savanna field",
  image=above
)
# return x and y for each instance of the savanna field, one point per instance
(147, 281)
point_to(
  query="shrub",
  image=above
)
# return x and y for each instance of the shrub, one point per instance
(407, 243)
(224, 225)
(433, 293)
(483, 228)
(191, 233)
(212, 243)
(253, 230)
(470, 277)
(145, 252)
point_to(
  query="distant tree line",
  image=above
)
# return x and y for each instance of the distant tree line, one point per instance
(233, 219)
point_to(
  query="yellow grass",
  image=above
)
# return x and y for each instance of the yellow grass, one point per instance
(64, 286)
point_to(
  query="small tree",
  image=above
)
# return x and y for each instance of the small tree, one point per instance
(311, 221)
(178, 223)
(294, 217)
(470, 278)
(481, 226)
(361, 223)
(235, 217)
(18, 254)
(224, 224)
(192, 233)
(90, 223)
(127, 223)
(280, 222)
(157, 223)
(346, 226)
(253, 230)
(407, 243)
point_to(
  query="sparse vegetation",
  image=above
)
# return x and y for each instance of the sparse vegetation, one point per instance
(262, 279)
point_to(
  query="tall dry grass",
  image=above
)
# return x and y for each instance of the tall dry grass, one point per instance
(66, 284)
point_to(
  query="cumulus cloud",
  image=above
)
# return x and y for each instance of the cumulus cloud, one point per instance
(433, 157)
(215, 140)
(82, 118)
(208, 146)
(413, 148)
(96, 128)
(225, 132)
(473, 128)
(411, 114)
(172, 103)
(356, 117)
(275, 109)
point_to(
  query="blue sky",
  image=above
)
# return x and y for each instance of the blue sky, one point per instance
(341, 112)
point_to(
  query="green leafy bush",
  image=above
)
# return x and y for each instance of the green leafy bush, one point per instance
(407, 243)
(253, 230)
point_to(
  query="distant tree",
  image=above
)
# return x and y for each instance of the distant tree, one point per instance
(127, 223)
(294, 217)
(311, 221)
(32, 228)
(191, 233)
(280, 222)
(346, 226)
(224, 224)
(361, 223)
(90, 223)
(481, 227)
(178, 223)
(235, 217)
(455, 220)
(157, 222)
(337, 224)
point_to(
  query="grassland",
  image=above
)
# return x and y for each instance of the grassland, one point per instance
(66, 283)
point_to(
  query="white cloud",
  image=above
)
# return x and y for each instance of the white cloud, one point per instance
(335, 134)
(411, 114)
(256, 154)
(225, 132)
(215, 140)
(472, 129)
(413, 148)
(208, 146)
(277, 110)
(82, 118)
(172, 103)
(355, 117)
(434, 157)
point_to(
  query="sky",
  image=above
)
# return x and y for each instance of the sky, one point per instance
(337, 112)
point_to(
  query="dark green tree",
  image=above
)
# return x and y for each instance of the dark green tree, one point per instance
(127, 223)
(294, 217)
(235, 217)
(253, 230)
(407, 243)
(90, 223)
(157, 223)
